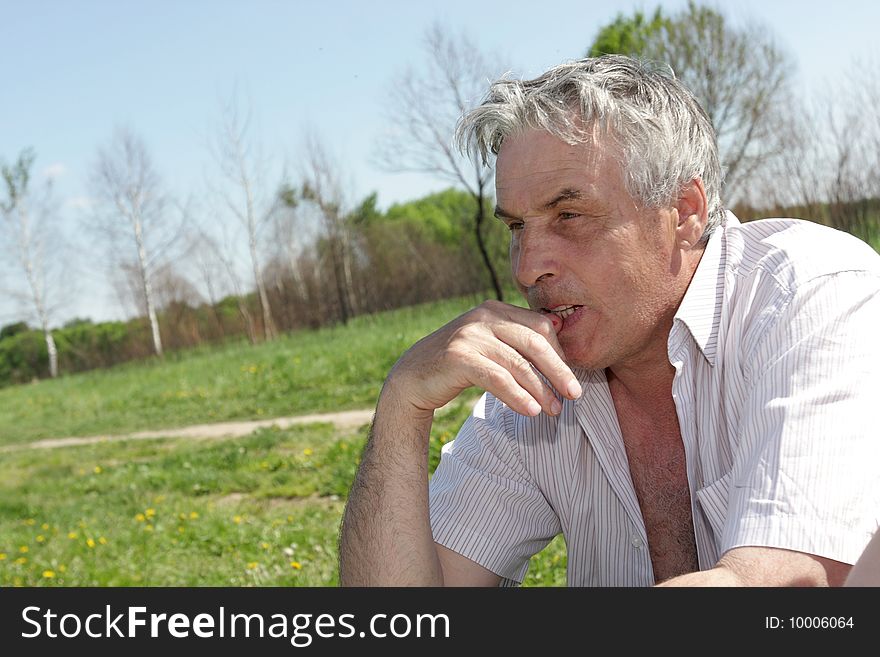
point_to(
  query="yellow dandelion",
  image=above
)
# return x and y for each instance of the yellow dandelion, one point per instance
(23, 549)
(289, 518)
(252, 565)
(21, 561)
(45, 525)
(102, 540)
(181, 529)
(48, 574)
(308, 451)
(296, 565)
(72, 535)
(140, 517)
(30, 521)
(90, 542)
(150, 513)
(62, 568)
(193, 515)
(264, 465)
(2, 556)
(237, 520)
(264, 545)
(98, 469)
(40, 538)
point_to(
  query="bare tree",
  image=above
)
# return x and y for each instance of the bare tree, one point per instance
(322, 187)
(244, 167)
(215, 259)
(27, 220)
(287, 233)
(132, 206)
(424, 108)
(739, 74)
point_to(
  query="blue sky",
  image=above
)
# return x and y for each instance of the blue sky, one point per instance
(73, 71)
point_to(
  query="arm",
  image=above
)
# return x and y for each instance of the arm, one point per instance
(762, 566)
(803, 488)
(866, 571)
(386, 534)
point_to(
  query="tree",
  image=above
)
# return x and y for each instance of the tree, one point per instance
(323, 189)
(424, 109)
(738, 73)
(26, 218)
(132, 206)
(243, 166)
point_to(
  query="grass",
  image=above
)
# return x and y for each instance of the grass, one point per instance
(335, 368)
(263, 510)
(257, 511)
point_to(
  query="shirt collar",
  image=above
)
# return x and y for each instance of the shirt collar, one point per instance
(700, 309)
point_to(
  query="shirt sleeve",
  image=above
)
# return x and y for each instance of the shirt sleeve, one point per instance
(484, 504)
(806, 474)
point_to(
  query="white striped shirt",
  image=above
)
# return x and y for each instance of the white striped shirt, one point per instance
(775, 347)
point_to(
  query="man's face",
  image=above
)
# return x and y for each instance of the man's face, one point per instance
(583, 247)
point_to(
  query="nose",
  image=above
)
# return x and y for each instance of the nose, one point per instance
(531, 257)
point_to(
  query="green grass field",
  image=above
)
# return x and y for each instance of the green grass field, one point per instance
(263, 510)
(330, 369)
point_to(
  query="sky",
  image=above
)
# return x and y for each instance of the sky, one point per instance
(75, 71)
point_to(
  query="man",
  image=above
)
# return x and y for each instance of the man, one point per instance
(688, 400)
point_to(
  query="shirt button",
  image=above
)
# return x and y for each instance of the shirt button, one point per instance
(637, 542)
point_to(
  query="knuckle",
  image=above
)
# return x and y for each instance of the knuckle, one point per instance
(545, 326)
(536, 343)
(495, 378)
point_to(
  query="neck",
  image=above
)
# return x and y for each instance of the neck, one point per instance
(650, 383)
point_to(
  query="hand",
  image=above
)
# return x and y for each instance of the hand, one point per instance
(497, 347)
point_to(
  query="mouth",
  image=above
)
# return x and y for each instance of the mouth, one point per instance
(561, 312)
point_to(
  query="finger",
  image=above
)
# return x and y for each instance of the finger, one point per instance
(536, 348)
(527, 377)
(540, 323)
(493, 378)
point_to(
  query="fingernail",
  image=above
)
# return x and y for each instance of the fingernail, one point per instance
(574, 389)
(555, 407)
(534, 407)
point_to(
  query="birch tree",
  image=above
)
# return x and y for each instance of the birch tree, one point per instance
(28, 224)
(243, 166)
(133, 212)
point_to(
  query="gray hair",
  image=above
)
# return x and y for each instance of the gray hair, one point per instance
(666, 138)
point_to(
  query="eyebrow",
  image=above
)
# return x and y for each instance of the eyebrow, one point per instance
(569, 194)
(564, 195)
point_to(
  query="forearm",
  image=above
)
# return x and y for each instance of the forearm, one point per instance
(764, 566)
(386, 535)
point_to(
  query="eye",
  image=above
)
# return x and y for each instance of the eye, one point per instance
(568, 215)
(514, 225)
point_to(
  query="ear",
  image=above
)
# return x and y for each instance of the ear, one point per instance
(693, 214)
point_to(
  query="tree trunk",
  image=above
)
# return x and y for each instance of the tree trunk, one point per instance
(269, 330)
(148, 288)
(478, 225)
(339, 276)
(53, 353)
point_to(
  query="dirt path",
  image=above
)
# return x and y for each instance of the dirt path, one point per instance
(343, 420)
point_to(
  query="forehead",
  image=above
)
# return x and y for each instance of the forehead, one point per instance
(535, 165)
